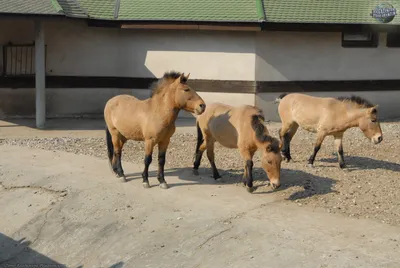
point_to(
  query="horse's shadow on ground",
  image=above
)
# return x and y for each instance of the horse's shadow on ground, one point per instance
(309, 184)
(360, 163)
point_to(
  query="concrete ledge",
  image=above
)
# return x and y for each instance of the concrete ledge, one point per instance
(89, 102)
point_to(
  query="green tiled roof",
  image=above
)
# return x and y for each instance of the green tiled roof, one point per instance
(99, 9)
(325, 11)
(189, 10)
(72, 8)
(279, 11)
(33, 7)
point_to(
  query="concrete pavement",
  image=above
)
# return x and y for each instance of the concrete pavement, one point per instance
(62, 208)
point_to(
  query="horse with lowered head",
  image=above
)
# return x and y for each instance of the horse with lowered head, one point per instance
(151, 120)
(326, 117)
(238, 127)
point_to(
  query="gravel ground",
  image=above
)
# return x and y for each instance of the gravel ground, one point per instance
(368, 188)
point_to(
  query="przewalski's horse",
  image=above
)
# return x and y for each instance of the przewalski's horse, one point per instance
(238, 127)
(325, 117)
(151, 120)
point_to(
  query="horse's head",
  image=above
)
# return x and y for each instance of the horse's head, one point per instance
(370, 126)
(271, 162)
(186, 98)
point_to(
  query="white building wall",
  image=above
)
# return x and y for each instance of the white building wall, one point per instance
(75, 49)
(294, 56)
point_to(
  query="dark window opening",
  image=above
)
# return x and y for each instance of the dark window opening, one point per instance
(393, 40)
(18, 60)
(361, 39)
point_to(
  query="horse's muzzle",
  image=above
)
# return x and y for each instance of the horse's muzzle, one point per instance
(275, 185)
(200, 109)
(377, 140)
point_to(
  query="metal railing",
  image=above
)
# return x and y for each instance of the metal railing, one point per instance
(19, 60)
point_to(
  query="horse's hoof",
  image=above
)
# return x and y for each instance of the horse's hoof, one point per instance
(121, 177)
(217, 176)
(164, 185)
(342, 165)
(195, 172)
(310, 165)
(250, 189)
(220, 179)
(146, 185)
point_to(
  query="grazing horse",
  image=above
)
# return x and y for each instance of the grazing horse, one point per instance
(151, 120)
(326, 117)
(238, 127)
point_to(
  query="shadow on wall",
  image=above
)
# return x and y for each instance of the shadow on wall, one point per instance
(74, 49)
(296, 56)
(14, 253)
(299, 56)
(95, 51)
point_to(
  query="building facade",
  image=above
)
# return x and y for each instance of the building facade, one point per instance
(247, 57)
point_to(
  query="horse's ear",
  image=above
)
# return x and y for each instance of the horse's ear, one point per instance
(184, 78)
(373, 110)
(280, 145)
(179, 79)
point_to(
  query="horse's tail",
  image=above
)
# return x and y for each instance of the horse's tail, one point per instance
(258, 126)
(200, 138)
(280, 97)
(110, 146)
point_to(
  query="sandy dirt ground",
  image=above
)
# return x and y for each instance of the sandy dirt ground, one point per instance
(61, 204)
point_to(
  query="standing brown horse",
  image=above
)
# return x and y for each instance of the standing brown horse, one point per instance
(325, 117)
(238, 127)
(151, 120)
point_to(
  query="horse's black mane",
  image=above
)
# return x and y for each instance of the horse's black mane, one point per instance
(259, 129)
(357, 100)
(167, 77)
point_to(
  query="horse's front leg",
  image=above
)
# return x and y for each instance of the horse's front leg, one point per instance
(148, 148)
(162, 151)
(339, 148)
(118, 142)
(248, 169)
(317, 146)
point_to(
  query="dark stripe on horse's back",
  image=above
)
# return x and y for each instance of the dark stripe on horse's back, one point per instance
(357, 100)
(282, 95)
(259, 129)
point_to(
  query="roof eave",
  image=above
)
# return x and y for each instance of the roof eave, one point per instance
(327, 27)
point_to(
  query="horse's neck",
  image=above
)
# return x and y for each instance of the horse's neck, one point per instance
(353, 116)
(165, 107)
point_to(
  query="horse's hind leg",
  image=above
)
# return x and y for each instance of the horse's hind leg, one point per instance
(162, 151)
(317, 146)
(199, 155)
(288, 138)
(247, 155)
(118, 142)
(339, 147)
(148, 150)
(210, 155)
(286, 134)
